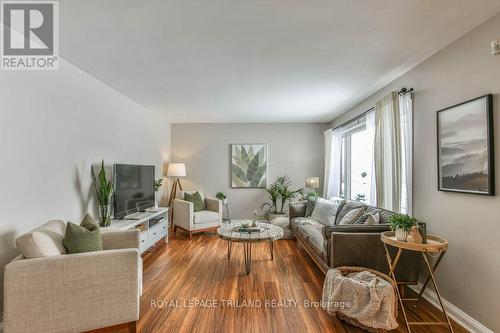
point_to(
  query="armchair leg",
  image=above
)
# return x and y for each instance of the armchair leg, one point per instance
(175, 228)
(190, 235)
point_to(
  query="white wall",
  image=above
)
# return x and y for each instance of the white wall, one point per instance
(470, 271)
(53, 126)
(293, 149)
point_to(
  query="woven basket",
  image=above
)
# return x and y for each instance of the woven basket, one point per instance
(344, 270)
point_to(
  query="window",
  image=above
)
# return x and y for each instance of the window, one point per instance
(357, 160)
(360, 156)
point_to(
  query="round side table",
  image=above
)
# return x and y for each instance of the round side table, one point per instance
(435, 247)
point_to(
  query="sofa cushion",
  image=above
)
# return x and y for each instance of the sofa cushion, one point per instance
(85, 237)
(44, 241)
(205, 216)
(369, 218)
(325, 211)
(296, 225)
(311, 202)
(383, 213)
(352, 216)
(315, 237)
(346, 208)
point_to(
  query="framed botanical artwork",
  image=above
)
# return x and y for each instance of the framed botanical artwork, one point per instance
(248, 165)
(465, 147)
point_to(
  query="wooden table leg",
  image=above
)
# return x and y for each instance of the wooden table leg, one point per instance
(229, 249)
(247, 252)
(392, 268)
(429, 277)
(431, 274)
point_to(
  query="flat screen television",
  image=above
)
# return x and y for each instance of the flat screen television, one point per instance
(134, 188)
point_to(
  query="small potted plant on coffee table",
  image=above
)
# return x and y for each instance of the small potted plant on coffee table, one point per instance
(401, 225)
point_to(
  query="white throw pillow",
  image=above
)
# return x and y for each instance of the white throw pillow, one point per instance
(325, 211)
(372, 219)
(44, 241)
(352, 216)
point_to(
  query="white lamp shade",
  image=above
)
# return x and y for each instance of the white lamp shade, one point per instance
(176, 170)
(312, 182)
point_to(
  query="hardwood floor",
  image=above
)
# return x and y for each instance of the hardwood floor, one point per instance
(199, 270)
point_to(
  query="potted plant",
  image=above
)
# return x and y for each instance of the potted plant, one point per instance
(221, 196)
(157, 186)
(104, 192)
(310, 195)
(279, 192)
(401, 225)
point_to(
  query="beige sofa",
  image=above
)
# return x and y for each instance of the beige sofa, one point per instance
(185, 218)
(59, 293)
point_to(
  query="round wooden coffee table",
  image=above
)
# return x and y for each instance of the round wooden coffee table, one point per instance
(232, 233)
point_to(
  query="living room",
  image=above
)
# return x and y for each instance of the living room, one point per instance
(259, 166)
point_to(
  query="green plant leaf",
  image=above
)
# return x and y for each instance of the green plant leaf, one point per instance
(237, 172)
(238, 182)
(245, 160)
(252, 171)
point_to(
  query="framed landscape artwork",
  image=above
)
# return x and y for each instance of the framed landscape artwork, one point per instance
(465, 147)
(249, 165)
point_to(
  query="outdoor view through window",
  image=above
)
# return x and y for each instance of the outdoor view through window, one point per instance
(356, 163)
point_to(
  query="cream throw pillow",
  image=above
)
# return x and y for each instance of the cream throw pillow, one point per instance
(325, 210)
(352, 216)
(44, 241)
(372, 219)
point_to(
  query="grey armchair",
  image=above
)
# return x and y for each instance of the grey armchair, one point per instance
(185, 218)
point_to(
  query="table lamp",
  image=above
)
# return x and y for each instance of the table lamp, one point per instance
(312, 182)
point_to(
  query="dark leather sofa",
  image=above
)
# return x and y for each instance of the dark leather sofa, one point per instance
(350, 245)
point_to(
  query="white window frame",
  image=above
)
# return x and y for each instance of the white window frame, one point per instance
(348, 130)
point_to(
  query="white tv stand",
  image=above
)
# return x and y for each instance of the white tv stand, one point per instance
(154, 225)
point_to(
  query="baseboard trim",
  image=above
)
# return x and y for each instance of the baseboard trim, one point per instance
(460, 317)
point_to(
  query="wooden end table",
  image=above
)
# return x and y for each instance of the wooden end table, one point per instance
(435, 247)
(231, 233)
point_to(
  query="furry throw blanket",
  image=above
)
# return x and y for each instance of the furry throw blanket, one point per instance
(362, 296)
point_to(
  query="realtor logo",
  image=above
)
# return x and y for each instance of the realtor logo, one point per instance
(29, 35)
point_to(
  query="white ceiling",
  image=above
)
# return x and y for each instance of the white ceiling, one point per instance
(258, 61)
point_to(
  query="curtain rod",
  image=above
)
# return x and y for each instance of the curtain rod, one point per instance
(355, 118)
(401, 91)
(404, 91)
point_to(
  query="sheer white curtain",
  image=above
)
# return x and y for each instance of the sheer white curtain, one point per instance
(406, 118)
(393, 152)
(370, 128)
(333, 150)
(387, 152)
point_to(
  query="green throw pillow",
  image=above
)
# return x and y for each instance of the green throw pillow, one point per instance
(196, 199)
(85, 237)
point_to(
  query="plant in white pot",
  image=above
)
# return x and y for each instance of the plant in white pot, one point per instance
(104, 192)
(401, 225)
(157, 185)
(223, 197)
(279, 193)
